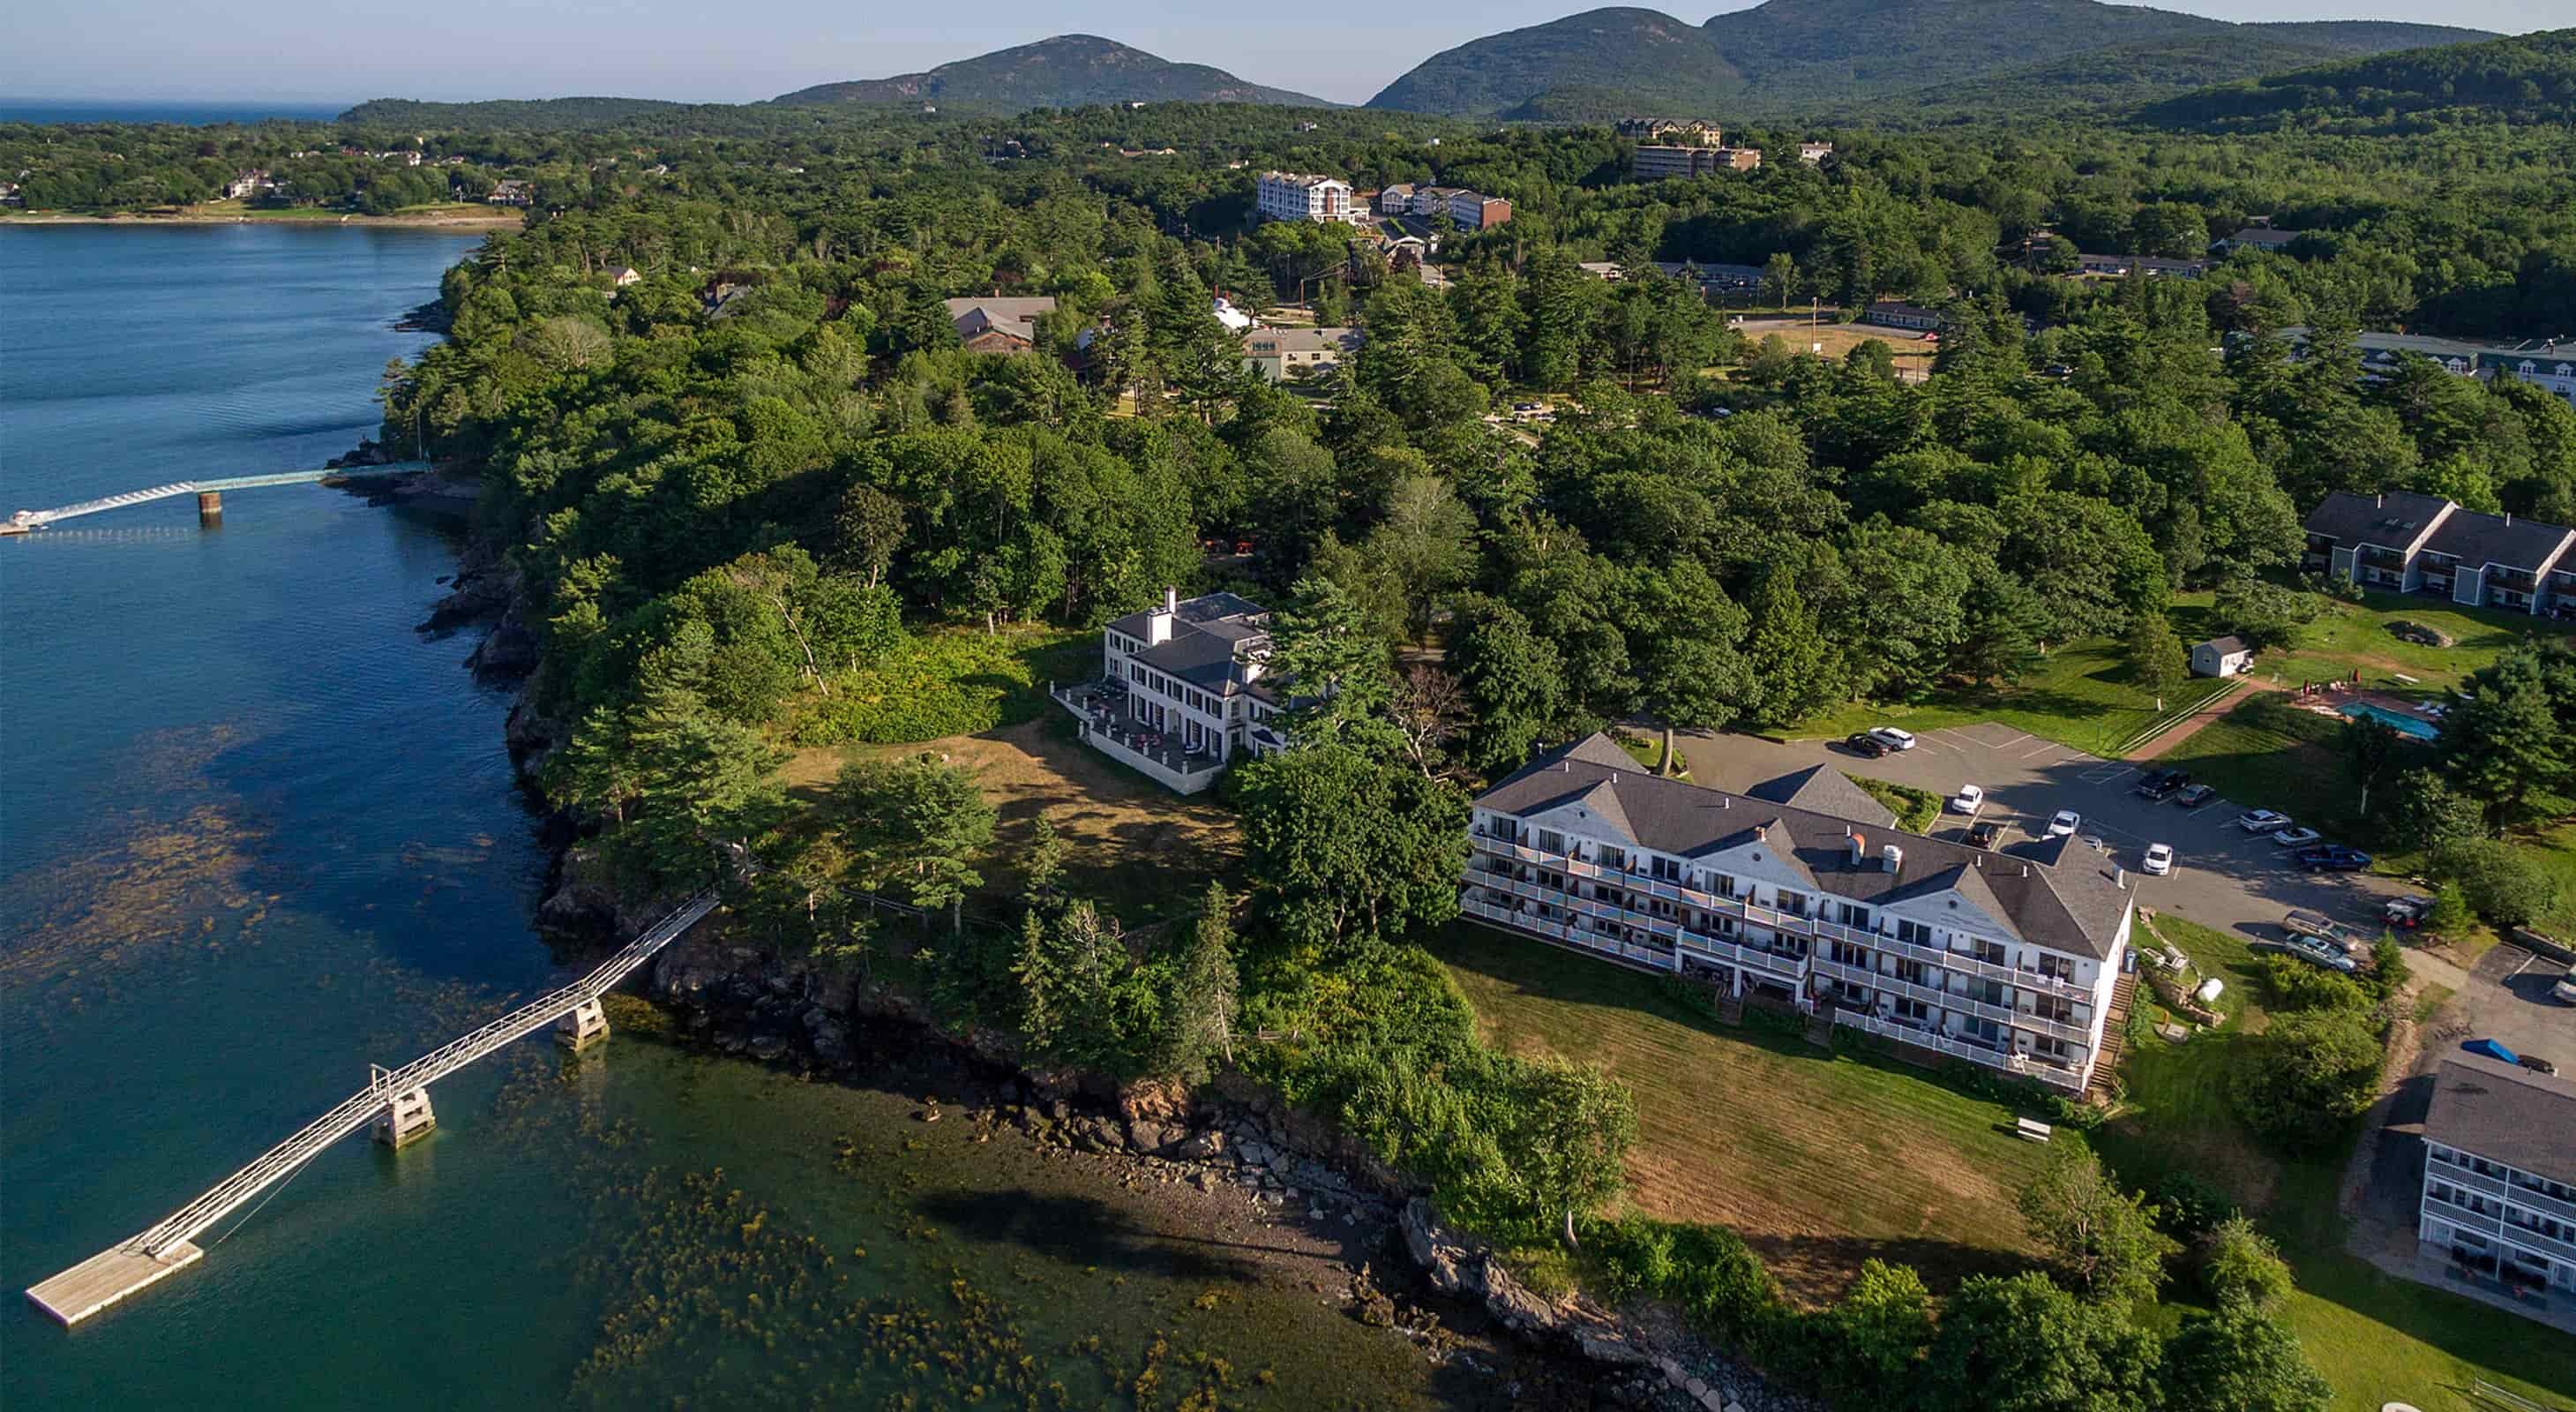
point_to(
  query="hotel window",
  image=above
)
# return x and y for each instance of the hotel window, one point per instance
(1610, 857)
(1666, 869)
(1854, 915)
(1913, 973)
(1843, 953)
(2056, 967)
(1914, 1010)
(1550, 841)
(2048, 1047)
(1915, 932)
(1991, 952)
(1794, 903)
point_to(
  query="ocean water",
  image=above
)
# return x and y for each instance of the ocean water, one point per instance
(257, 832)
(192, 113)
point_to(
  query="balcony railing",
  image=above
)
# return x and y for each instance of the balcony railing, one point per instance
(1754, 914)
(1718, 948)
(1952, 1000)
(2529, 1200)
(1575, 936)
(2500, 1230)
(2066, 1076)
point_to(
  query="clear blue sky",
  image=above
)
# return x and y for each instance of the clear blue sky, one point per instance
(685, 49)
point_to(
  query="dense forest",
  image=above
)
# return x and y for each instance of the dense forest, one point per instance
(2528, 78)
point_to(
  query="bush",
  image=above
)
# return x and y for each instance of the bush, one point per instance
(2499, 883)
(2300, 985)
(2238, 1261)
(1978, 1081)
(2309, 1076)
(1708, 1271)
(940, 684)
(2188, 1206)
(2388, 971)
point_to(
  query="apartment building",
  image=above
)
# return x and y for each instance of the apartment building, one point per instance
(2538, 361)
(2153, 266)
(1181, 691)
(1672, 132)
(1283, 353)
(2499, 1200)
(1897, 313)
(1802, 891)
(1302, 196)
(1658, 163)
(1471, 211)
(2401, 542)
(1815, 154)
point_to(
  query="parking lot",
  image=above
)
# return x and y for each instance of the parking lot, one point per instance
(2224, 877)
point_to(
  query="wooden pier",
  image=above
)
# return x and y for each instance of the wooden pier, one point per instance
(104, 1278)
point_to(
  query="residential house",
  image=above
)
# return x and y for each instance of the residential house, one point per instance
(1429, 201)
(1283, 353)
(1609, 270)
(1800, 892)
(2261, 237)
(624, 276)
(2407, 543)
(2499, 1197)
(998, 325)
(512, 192)
(10, 195)
(2538, 361)
(2221, 657)
(1396, 199)
(247, 184)
(1182, 691)
(1713, 279)
(1302, 196)
(1896, 313)
(1815, 154)
(1659, 162)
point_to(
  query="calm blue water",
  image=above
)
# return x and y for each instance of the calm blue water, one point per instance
(202, 113)
(260, 833)
(2404, 724)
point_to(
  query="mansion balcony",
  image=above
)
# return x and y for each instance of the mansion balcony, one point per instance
(1100, 709)
(1784, 923)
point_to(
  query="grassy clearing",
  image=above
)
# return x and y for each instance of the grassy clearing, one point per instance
(945, 682)
(1916, 810)
(2351, 637)
(2265, 752)
(2375, 1337)
(2080, 695)
(1818, 1160)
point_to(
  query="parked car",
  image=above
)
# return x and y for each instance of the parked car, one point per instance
(1987, 834)
(2193, 796)
(2161, 785)
(1864, 743)
(2262, 821)
(2566, 987)
(2538, 1065)
(2320, 927)
(2296, 838)
(1968, 799)
(2406, 913)
(2159, 860)
(2064, 822)
(2321, 953)
(2331, 858)
(1892, 738)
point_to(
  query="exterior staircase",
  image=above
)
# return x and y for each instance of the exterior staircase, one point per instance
(2115, 1035)
(1820, 1025)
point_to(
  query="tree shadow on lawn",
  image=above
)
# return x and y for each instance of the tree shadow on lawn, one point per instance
(1083, 1231)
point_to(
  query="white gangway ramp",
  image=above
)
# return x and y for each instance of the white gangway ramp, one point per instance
(95, 1283)
(38, 519)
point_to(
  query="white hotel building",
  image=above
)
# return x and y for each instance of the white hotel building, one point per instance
(1801, 891)
(2499, 1203)
(1300, 196)
(1182, 692)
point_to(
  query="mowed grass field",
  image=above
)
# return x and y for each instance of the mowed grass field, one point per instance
(2079, 695)
(2349, 637)
(2376, 1338)
(1819, 1161)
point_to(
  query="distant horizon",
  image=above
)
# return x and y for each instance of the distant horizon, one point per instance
(1347, 51)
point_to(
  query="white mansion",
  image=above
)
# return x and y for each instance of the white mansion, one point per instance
(1180, 693)
(1803, 891)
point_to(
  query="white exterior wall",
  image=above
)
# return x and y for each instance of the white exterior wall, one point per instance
(2491, 1208)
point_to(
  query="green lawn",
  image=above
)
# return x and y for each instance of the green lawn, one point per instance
(2376, 1338)
(2267, 753)
(1916, 810)
(2079, 695)
(1818, 1160)
(2354, 636)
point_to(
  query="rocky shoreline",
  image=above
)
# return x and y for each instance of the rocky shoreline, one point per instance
(1229, 1144)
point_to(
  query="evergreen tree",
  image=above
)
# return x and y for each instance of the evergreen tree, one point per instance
(2157, 661)
(1203, 999)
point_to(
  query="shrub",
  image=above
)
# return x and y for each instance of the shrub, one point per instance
(2238, 1261)
(2187, 1206)
(936, 685)
(2499, 883)
(2300, 985)
(2308, 1076)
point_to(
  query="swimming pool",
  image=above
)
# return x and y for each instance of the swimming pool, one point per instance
(2404, 724)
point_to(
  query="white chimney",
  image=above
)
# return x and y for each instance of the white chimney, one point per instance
(1158, 624)
(1891, 858)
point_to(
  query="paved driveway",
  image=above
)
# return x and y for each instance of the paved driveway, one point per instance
(2225, 878)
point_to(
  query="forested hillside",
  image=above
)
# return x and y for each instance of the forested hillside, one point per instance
(1067, 71)
(2525, 79)
(1808, 55)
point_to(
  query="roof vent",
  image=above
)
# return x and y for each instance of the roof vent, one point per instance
(1859, 845)
(1890, 858)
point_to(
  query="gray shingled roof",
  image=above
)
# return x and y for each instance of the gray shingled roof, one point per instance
(2505, 1113)
(1823, 789)
(2350, 519)
(2054, 893)
(1205, 632)
(2225, 646)
(2480, 539)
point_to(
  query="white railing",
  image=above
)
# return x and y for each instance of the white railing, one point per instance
(1736, 953)
(352, 1114)
(2021, 1065)
(1950, 999)
(1578, 937)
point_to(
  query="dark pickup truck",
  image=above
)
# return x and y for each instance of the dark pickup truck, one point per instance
(2161, 785)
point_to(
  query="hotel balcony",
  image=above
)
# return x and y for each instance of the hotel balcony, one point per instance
(2540, 1202)
(1790, 922)
(1951, 1000)
(2070, 1077)
(2505, 1232)
(1580, 937)
(1099, 708)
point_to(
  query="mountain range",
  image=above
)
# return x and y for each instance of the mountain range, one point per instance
(1067, 71)
(1816, 54)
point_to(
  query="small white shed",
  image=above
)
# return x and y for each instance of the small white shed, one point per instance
(2220, 657)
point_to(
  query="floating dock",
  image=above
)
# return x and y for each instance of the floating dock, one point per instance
(103, 1279)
